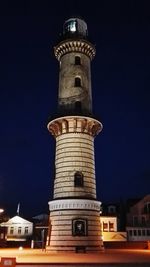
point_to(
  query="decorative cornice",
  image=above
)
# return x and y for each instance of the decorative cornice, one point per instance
(74, 124)
(81, 46)
(74, 204)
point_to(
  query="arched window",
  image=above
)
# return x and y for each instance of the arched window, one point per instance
(77, 60)
(78, 179)
(77, 82)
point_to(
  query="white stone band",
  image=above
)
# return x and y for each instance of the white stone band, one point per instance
(85, 204)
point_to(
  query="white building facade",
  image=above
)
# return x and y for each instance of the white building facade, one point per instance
(18, 229)
(138, 220)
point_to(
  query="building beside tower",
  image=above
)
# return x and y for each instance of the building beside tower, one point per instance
(74, 223)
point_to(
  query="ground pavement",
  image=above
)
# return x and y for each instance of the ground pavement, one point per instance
(110, 257)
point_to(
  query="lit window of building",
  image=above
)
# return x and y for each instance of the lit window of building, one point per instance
(111, 227)
(105, 227)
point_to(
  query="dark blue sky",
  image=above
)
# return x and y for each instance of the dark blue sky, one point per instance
(28, 95)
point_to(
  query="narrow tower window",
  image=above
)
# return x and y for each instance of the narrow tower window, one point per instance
(78, 179)
(77, 60)
(77, 82)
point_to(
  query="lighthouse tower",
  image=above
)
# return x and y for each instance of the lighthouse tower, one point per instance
(74, 224)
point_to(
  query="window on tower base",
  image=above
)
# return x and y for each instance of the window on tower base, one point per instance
(79, 227)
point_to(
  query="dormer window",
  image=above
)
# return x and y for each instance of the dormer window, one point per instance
(77, 82)
(77, 60)
(147, 208)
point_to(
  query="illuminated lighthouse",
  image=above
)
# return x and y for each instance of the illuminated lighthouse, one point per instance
(74, 210)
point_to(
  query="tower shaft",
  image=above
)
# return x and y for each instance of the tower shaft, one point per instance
(75, 96)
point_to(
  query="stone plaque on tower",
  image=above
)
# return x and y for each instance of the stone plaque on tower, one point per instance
(74, 211)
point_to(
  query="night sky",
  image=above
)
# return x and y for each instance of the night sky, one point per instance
(29, 30)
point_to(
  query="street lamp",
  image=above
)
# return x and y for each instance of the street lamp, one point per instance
(2, 230)
(1, 210)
